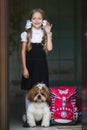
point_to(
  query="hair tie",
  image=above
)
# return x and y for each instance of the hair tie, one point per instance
(28, 24)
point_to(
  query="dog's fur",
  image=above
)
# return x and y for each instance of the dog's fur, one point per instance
(38, 109)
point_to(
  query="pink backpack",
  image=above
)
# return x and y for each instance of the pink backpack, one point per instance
(64, 104)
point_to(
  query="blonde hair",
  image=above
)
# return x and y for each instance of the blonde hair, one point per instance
(29, 32)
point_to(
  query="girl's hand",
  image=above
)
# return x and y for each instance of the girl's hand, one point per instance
(48, 28)
(26, 73)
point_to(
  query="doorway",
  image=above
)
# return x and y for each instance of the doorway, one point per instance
(64, 61)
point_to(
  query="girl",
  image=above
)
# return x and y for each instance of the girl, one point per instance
(36, 42)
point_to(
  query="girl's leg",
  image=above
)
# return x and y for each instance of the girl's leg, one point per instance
(26, 101)
(26, 107)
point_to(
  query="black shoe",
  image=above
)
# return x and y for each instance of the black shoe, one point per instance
(26, 125)
(24, 118)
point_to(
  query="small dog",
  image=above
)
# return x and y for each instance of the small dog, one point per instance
(38, 109)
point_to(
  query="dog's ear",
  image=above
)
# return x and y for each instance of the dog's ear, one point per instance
(30, 95)
(48, 94)
(48, 97)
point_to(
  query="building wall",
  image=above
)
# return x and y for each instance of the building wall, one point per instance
(65, 59)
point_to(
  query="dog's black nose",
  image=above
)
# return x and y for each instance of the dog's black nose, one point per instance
(39, 96)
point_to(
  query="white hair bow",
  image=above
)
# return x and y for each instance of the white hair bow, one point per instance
(28, 24)
(44, 23)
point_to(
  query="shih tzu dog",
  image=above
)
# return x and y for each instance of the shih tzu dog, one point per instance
(38, 109)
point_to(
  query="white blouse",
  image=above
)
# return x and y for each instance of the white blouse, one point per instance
(37, 35)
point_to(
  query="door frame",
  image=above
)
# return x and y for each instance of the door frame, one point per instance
(4, 60)
(3, 65)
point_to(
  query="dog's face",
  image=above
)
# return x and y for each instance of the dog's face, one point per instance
(39, 93)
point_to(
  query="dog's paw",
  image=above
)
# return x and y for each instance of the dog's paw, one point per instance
(46, 124)
(32, 124)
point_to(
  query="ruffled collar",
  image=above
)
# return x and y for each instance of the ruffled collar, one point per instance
(34, 30)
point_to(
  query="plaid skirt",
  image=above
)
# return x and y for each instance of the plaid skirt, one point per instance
(37, 66)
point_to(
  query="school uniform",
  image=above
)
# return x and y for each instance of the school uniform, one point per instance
(36, 61)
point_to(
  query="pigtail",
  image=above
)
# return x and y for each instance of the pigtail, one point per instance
(44, 43)
(29, 35)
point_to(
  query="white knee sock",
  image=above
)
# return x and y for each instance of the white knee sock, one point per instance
(26, 102)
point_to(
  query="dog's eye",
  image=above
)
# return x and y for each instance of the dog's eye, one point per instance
(42, 94)
(35, 94)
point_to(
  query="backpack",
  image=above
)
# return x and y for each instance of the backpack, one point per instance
(63, 105)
